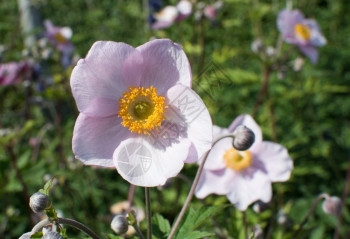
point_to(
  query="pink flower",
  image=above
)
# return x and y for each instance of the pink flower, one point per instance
(14, 72)
(244, 176)
(137, 111)
(168, 15)
(305, 33)
(211, 11)
(60, 37)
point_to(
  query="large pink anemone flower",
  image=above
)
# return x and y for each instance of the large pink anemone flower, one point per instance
(244, 176)
(305, 33)
(137, 111)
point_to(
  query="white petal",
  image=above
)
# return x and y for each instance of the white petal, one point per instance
(275, 161)
(165, 65)
(142, 164)
(187, 108)
(249, 187)
(95, 139)
(216, 182)
(100, 74)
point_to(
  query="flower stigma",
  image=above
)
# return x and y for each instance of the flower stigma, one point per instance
(141, 109)
(302, 31)
(237, 160)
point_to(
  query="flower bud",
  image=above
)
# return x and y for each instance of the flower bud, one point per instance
(244, 138)
(119, 224)
(38, 202)
(332, 205)
(52, 235)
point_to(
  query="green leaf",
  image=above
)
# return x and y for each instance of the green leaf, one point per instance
(37, 235)
(161, 226)
(197, 235)
(47, 187)
(195, 218)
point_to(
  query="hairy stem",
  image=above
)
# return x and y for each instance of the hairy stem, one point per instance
(343, 200)
(69, 222)
(148, 213)
(308, 215)
(192, 190)
(263, 89)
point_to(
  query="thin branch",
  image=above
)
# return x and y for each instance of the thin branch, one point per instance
(192, 190)
(148, 213)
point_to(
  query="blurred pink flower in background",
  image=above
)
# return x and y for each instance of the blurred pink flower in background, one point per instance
(138, 112)
(244, 176)
(305, 33)
(211, 11)
(171, 14)
(14, 72)
(60, 37)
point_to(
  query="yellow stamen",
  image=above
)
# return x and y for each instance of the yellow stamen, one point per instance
(237, 160)
(60, 38)
(141, 109)
(302, 31)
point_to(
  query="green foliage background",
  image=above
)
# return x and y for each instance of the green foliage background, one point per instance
(306, 111)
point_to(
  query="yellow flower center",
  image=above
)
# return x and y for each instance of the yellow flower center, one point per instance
(141, 109)
(237, 160)
(60, 38)
(302, 31)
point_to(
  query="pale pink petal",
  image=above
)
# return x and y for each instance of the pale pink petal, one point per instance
(311, 52)
(275, 161)
(214, 182)
(166, 65)
(249, 187)
(95, 139)
(218, 132)
(248, 121)
(316, 38)
(286, 21)
(102, 107)
(141, 164)
(187, 108)
(100, 74)
(215, 158)
(133, 69)
(192, 155)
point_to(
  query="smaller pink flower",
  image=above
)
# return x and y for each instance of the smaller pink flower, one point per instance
(60, 37)
(305, 33)
(211, 11)
(168, 15)
(243, 176)
(14, 72)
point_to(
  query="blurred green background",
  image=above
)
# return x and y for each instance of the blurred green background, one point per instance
(307, 111)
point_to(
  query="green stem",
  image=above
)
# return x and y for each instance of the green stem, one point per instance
(138, 231)
(263, 89)
(66, 221)
(344, 197)
(193, 188)
(309, 213)
(245, 225)
(148, 213)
